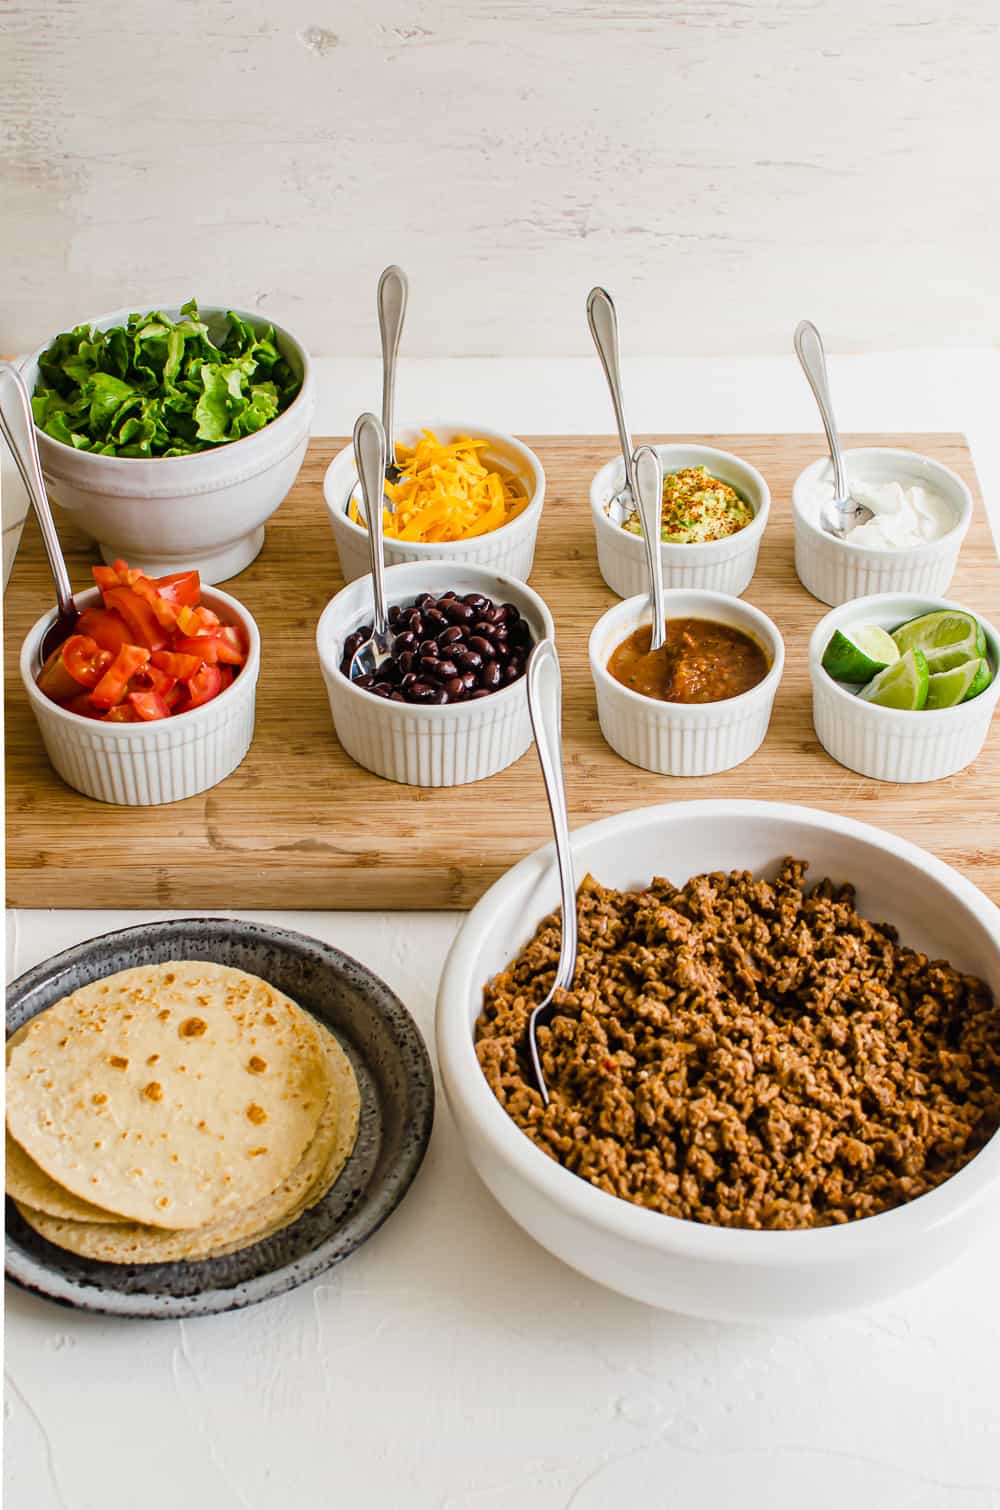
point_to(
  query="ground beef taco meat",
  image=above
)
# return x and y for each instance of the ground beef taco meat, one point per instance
(747, 1053)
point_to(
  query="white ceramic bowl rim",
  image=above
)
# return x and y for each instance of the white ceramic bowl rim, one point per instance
(214, 597)
(652, 1229)
(890, 553)
(846, 614)
(325, 636)
(437, 550)
(775, 647)
(682, 548)
(119, 317)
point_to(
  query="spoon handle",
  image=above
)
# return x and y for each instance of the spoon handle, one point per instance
(545, 707)
(603, 321)
(392, 292)
(649, 500)
(27, 461)
(812, 357)
(369, 458)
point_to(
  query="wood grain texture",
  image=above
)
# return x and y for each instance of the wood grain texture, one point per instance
(299, 825)
(723, 166)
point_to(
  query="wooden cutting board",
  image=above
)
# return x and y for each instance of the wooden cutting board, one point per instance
(299, 825)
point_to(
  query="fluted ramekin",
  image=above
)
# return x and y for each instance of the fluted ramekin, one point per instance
(715, 565)
(684, 739)
(415, 744)
(165, 760)
(891, 744)
(835, 571)
(508, 551)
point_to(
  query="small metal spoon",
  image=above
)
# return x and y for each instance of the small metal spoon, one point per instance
(369, 458)
(545, 707)
(841, 514)
(392, 293)
(27, 461)
(603, 321)
(648, 472)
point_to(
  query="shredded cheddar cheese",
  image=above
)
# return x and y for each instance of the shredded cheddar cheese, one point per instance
(446, 493)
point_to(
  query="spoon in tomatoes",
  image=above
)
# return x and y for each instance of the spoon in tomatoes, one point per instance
(369, 458)
(27, 461)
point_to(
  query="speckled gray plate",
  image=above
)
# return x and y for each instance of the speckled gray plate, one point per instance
(397, 1109)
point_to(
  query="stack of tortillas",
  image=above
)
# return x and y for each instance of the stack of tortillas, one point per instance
(175, 1111)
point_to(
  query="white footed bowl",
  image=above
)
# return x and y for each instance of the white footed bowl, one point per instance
(717, 565)
(508, 551)
(414, 743)
(835, 571)
(717, 1272)
(170, 513)
(144, 764)
(891, 744)
(683, 739)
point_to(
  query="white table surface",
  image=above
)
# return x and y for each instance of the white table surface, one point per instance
(451, 1363)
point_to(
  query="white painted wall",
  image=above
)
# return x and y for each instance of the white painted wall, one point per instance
(723, 165)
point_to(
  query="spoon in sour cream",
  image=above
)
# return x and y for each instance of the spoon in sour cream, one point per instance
(841, 514)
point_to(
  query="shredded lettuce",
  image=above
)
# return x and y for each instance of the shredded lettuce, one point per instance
(161, 387)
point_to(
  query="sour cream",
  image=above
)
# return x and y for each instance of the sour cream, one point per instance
(905, 514)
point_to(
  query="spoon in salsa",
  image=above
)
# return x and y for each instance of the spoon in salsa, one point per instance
(602, 318)
(648, 473)
(842, 514)
(545, 707)
(369, 458)
(26, 459)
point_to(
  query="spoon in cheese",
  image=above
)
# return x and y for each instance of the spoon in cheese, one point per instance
(842, 514)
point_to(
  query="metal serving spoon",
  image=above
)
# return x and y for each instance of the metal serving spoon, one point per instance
(603, 321)
(648, 472)
(841, 514)
(392, 294)
(369, 458)
(545, 707)
(27, 461)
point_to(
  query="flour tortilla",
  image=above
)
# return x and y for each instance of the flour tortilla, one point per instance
(171, 1094)
(316, 1172)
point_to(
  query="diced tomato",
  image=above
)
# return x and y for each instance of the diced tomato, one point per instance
(183, 667)
(83, 705)
(149, 705)
(222, 644)
(84, 659)
(105, 577)
(205, 685)
(122, 713)
(55, 681)
(156, 680)
(106, 627)
(228, 672)
(113, 684)
(177, 698)
(180, 587)
(143, 625)
(196, 620)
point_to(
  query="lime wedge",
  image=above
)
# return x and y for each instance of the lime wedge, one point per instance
(947, 638)
(901, 685)
(946, 689)
(859, 655)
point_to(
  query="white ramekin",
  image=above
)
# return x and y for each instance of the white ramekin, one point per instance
(427, 746)
(204, 511)
(508, 551)
(144, 764)
(717, 565)
(683, 739)
(724, 1273)
(891, 744)
(835, 571)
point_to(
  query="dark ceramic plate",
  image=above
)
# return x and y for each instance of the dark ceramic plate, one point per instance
(397, 1108)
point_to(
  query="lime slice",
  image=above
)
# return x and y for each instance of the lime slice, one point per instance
(859, 655)
(947, 638)
(901, 685)
(946, 689)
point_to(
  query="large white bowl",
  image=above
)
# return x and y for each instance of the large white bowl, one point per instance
(144, 764)
(509, 551)
(169, 513)
(414, 743)
(835, 571)
(715, 565)
(683, 739)
(891, 744)
(718, 1272)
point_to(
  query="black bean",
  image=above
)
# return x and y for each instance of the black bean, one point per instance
(511, 672)
(482, 626)
(460, 613)
(435, 620)
(406, 660)
(469, 680)
(520, 634)
(447, 597)
(447, 668)
(404, 641)
(491, 675)
(428, 647)
(382, 689)
(480, 645)
(450, 636)
(425, 600)
(455, 687)
(415, 622)
(475, 600)
(420, 692)
(398, 697)
(364, 681)
(430, 666)
(440, 695)
(394, 613)
(481, 692)
(511, 613)
(469, 660)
